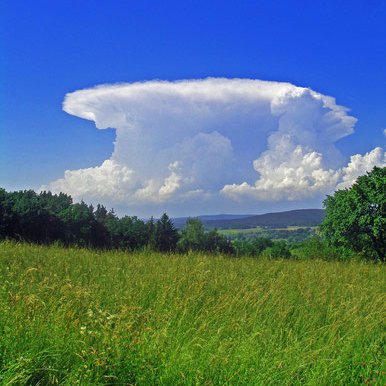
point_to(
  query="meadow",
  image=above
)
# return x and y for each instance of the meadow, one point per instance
(292, 234)
(78, 316)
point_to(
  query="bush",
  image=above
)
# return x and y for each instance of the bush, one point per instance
(195, 238)
(317, 248)
(279, 250)
(251, 248)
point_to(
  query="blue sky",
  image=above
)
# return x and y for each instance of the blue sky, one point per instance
(336, 48)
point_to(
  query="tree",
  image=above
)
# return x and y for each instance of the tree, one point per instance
(253, 247)
(132, 233)
(31, 220)
(215, 242)
(100, 214)
(260, 244)
(8, 219)
(80, 225)
(192, 236)
(55, 203)
(166, 235)
(150, 233)
(279, 250)
(356, 217)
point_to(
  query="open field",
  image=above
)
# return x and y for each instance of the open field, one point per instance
(73, 316)
(290, 233)
(229, 232)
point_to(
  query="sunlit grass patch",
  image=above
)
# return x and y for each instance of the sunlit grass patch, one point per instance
(74, 316)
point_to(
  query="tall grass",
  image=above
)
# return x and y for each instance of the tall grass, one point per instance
(74, 316)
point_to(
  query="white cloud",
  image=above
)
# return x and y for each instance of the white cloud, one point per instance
(108, 181)
(287, 172)
(302, 175)
(359, 165)
(158, 191)
(213, 140)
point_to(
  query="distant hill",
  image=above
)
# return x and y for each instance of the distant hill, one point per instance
(300, 217)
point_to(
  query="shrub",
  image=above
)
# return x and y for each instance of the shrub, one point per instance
(279, 250)
(317, 248)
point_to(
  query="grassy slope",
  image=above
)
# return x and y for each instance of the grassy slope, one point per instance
(82, 317)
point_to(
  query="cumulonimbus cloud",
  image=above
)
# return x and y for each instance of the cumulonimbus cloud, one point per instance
(214, 139)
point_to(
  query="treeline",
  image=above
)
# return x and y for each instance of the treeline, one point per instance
(47, 218)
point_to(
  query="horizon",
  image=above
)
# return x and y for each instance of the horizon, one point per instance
(238, 215)
(246, 215)
(195, 109)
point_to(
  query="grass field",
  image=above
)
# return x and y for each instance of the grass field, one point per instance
(72, 316)
(291, 233)
(229, 232)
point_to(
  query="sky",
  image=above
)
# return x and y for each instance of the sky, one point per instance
(192, 107)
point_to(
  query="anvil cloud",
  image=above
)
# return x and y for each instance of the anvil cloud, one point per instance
(214, 142)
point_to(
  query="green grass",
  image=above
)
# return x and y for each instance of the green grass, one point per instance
(291, 233)
(74, 316)
(227, 232)
(259, 229)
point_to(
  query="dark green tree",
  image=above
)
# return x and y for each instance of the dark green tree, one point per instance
(80, 225)
(132, 233)
(279, 250)
(253, 247)
(8, 219)
(31, 220)
(166, 235)
(214, 242)
(55, 203)
(100, 214)
(260, 244)
(356, 217)
(150, 233)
